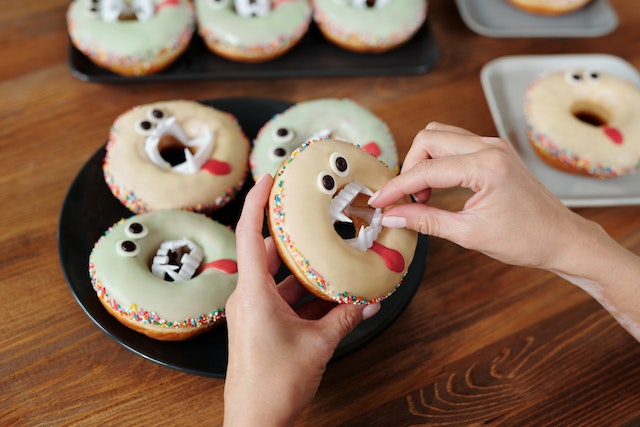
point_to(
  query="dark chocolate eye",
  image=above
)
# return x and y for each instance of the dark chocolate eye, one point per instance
(136, 230)
(339, 164)
(279, 152)
(594, 75)
(283, 135)
(158, 114)
(127, 248)
(145, 126)
(327, 183)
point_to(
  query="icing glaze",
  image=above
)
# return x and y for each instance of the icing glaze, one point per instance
(126, 283)
(151, 164)
(587, 120)
(323, 185)
(354, 25)
(131, 46)
(321, 118)
(260, 34)
(549, 7)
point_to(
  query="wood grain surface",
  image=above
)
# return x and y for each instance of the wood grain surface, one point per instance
(481, 343)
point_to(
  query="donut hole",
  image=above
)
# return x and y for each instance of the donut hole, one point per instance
(173, 260)
(591, 114)
(171, 149)
(349, 230)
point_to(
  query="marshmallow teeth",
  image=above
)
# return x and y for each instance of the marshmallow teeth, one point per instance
(340, 207)
(202, 144)
(177, 260)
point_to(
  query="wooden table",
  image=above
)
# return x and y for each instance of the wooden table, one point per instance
(481, 342)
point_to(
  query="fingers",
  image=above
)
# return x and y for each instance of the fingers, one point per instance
(273, 259)
(343, 319)
(428, 220)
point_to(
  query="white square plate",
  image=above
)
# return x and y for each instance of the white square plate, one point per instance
(505, 81)
(497, 18)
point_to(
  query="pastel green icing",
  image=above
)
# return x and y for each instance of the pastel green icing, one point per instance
(129, 38)
(129, 280)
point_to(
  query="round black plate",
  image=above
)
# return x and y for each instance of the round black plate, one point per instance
(89, 209)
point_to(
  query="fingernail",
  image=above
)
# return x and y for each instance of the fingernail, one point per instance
(262, 177)
(374, 197)
(394, 222)
(370, 310)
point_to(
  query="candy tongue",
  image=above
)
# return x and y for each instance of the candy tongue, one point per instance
(216, 167)
(614, 134)
(392, 258)
(372, 148)
(228, 266)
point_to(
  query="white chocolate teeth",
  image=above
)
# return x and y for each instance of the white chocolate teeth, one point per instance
(177, 260)
(340, 206)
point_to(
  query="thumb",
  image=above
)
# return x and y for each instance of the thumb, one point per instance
(341, 320)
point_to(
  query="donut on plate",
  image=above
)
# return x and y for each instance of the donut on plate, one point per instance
(325, 231)
(369, 25)
(166, 274)
(585, 122)
(252, 31)
(316, 119)
(131, 37)
(549, 7)
(175, 155)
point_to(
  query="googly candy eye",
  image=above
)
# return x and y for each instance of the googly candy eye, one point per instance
(127, 248)
(339, 164)
(574, 76)
(592, 75)
(135, 230)
(219, 4)
(283, 135)
(145, 127)
(327, 183)
(279, 153)
(155, 114)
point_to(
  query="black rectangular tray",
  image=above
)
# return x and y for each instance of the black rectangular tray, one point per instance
(312, 57)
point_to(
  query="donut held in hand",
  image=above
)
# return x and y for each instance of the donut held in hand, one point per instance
(166, 274)
(549, 7)
(175, 155)
(326, 233)
(585, 122)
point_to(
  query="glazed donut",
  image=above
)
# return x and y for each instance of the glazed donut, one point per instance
(175, 155)
(585, 122)
(136, 265)
(323, 188)
(549, 7)
(369, 25)
(131, 37)
(252, 31)
(316, 119)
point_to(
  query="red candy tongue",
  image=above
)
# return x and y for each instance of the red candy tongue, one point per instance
(372, 148)
(392, 258)
(614, 134)
(216, 167)
(228, 266)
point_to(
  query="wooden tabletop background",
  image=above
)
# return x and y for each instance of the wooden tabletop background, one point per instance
(481, 342)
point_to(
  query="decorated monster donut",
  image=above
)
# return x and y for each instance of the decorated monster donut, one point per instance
(252, 30)
(369, 25)
(585, 122)
(325, 231)
(131, 37)
(166, 274)
(316, 119)
(175, 155)
(549, 7)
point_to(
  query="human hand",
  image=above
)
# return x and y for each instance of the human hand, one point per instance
(511, 216)
(277, 355)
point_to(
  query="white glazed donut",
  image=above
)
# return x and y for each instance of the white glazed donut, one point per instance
(549, 7)
(325, 185)
(131, 38)
(316, 119)
(252, 31)
(585, 122)
(166, 274)
(175, 155)
(369, 25)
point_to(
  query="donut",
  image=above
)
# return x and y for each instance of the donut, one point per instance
(131, 37)
(549, 7)
(252, 30)
(175, 155)
(324, 230)
(584, 122)
(369, 25)
(321, 118)
(166, 274)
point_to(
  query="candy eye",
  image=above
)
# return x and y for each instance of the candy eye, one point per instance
(339, 164)
(283, 135)
(327, 183)
(574, 76)
(135, 230)
(155, 114)
(279, 153)
(218, 4)
(127, 248)
(593, 75)
(145, 127)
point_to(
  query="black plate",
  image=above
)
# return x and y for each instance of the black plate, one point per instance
(89, 209)
(312, 57)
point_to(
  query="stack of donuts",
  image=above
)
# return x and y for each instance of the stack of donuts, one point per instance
(140, 37)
